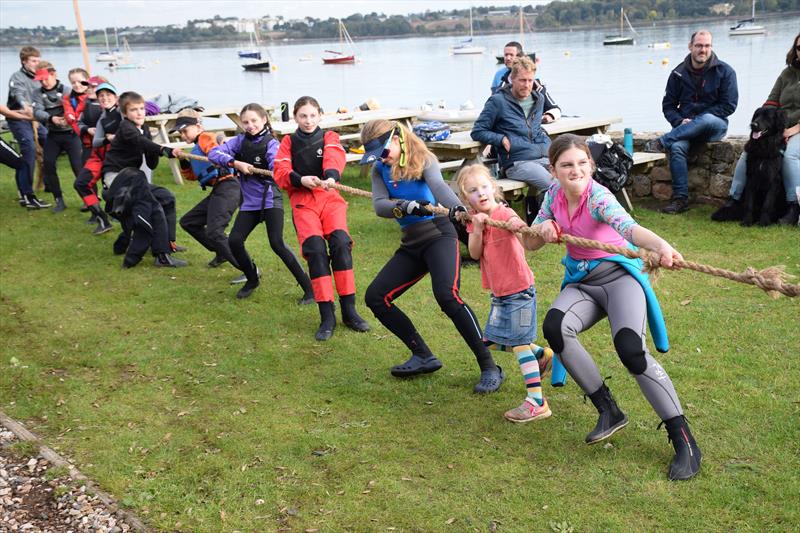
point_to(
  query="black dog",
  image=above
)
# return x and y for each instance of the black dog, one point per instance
(764, 196)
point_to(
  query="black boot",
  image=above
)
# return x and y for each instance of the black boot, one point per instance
(60, 205)
(251, 273)
(611, 419)
(350, 317)
(103, 224)
(327, 321)
(732, 210)
(686, 463)
(791, 216)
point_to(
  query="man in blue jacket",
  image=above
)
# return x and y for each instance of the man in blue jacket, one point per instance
(701, 94)
(511, 121)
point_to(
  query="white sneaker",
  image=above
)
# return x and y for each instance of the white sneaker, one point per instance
(242, 279)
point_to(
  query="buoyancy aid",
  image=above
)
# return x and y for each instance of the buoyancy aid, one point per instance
(254, 151)
(111, 119)
(53, 102)
(206, 172)
(307, 150)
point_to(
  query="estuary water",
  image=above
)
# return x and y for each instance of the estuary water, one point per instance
(585, 77)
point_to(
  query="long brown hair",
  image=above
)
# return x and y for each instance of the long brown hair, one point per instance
(258, 110)
(791, 57)
(417, 154)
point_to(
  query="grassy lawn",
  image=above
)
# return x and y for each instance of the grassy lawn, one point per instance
(201, 412)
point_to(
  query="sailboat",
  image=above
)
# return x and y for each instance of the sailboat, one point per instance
(334, 57)
(107, 54)
(747, 26)
(500, 58)
(621, 38)
(124, 60)
(466, 46)
(253, 52)
(257, 65)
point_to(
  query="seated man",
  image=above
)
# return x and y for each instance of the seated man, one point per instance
(701, 94)
(511, 121)
(511, 51)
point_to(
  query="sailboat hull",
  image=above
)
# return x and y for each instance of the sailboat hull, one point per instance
(616, 41)
(466, 50)
(747, 30)
(344, 60)
(262, 66)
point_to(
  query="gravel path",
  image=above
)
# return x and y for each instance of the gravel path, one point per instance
(34, 499)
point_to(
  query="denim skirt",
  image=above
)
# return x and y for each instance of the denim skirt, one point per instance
(512, 319)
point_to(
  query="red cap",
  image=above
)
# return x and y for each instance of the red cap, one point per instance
(94, 81)
(41, 74)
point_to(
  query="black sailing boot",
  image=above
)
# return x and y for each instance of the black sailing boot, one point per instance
(103, 224)
(251, 273)
(327, 321)
(611, 418)
(350, 316)
(686, 463)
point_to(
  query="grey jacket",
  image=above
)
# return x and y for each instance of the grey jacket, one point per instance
(24, 91)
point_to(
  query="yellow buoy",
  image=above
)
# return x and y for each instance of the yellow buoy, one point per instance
(665, 61)
(649, 61)
(274, 68)
(567, 53)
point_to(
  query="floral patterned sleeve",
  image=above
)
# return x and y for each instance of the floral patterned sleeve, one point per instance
(546, 210)
(604, 207)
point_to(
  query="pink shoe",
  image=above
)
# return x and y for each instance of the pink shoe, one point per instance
(528, 411)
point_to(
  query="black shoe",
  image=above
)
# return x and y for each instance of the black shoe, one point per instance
(248, 289)
(654, 146)
(490, 380)
(166, 260)
(791, 216)
(176, 247)
(350, 316)
(416, 365)
(84, 208)
(686, 463)
(732, 210)
(217, 261)
(102, 227)
(611, 418)
(324, 332)
(92, 220)
(327, 321)
(307, 299)
(23, 202)
(676, 205)
(60, 205)
(31, 202)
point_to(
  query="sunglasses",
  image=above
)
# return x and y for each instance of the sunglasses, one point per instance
(387, 145)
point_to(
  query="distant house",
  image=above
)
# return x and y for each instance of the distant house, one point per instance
(499, 12)
(202, 25)
(243, 25)
(721, 9)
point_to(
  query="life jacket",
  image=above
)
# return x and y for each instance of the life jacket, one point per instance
(53, 102)
(111, 120)
(206, 172)
(255, 152)
(307, 149)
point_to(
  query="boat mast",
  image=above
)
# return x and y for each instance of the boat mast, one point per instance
(470, 23)
(520, 28)
(81, 36)
(620, 21)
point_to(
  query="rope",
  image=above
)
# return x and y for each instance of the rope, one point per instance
(772, 280)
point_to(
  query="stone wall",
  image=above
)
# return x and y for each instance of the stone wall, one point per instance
(710, 171)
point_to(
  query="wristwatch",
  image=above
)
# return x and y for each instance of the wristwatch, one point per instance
(397, 211)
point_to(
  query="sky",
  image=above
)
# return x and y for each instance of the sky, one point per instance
(97, 14)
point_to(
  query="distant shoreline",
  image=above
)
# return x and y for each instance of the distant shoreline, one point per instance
(271, 41)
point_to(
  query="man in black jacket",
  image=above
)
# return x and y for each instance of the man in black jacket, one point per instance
(701, 94)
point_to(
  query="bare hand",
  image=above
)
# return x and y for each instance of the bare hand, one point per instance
(668, 254)
(328, 183)
(479, 221)
(507, 144)
(177, 152)
(685, 121)
(244, 168)
(310, 182)
(91, 131)
(791, 132)
(546, 119)
(27, 112)
(547, 230)
(59, 121)
(109, 137)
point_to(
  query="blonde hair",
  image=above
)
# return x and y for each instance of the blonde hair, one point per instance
(473, 170)
(189, 112)
(417, 154)
(522, 63)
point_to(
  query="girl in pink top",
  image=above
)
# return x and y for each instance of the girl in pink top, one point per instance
(505, 272)
(598, 285)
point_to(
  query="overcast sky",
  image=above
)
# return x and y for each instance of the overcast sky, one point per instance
(97, 14)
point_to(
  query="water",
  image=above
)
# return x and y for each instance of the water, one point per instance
(585, 77)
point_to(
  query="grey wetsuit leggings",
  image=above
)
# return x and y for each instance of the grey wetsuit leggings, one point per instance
(608, 290)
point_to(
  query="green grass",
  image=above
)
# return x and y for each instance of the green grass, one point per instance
(193, 407)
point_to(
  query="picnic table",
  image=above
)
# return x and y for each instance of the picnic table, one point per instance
(349, 121)
(163, 122)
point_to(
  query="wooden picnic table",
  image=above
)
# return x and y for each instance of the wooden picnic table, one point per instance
(163, 122)
(354, 120)
(461, 146)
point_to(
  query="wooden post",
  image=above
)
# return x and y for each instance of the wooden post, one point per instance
(82, 37)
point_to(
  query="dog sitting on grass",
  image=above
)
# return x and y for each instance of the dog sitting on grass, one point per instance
(764, 196)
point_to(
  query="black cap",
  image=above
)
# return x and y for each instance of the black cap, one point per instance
(183, 122)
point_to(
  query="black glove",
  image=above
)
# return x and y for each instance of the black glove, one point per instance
(454, 211)
(412, 207)
(166, 151)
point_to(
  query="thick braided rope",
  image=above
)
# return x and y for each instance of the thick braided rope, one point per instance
(771, 279)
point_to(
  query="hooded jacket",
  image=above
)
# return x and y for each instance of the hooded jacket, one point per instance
(713, 91)
(502, 116)
(23, 90)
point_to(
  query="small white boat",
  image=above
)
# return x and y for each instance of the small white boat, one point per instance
(747, 26)
(621, 39)
(466, 47)
(660, 46)
(108, 54)
(466, 113)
